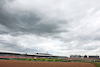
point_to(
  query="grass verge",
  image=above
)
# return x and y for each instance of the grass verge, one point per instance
(97, 64)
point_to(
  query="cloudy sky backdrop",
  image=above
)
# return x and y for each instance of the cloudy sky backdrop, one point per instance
(59, 27)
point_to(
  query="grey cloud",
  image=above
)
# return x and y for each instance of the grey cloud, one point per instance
(2, 2)
(15, 23)
(17, 48)
(8, 46)
(28, 22)
(74, 20)
(90, 48)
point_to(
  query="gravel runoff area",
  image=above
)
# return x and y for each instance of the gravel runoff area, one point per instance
(10, 63)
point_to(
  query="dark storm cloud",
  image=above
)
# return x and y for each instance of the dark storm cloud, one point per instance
(26, 25)
(25, 22)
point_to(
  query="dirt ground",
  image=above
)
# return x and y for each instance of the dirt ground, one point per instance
(9, 63)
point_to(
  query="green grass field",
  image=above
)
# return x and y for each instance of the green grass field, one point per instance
(97, 64)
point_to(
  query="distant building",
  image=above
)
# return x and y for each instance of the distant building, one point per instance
(94, 57)
(75, 56)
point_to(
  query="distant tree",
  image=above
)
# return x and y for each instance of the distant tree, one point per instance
(36, 53)
(85, 56)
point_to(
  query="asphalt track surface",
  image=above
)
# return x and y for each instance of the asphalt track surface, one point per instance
(10, 63)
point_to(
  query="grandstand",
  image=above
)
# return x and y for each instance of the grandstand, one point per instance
(35, 56)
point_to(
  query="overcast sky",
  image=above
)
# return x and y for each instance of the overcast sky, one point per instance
(59, 27)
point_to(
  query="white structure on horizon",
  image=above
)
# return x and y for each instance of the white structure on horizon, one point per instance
(43, 54)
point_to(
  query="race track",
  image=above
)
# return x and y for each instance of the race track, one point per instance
(10, 63)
